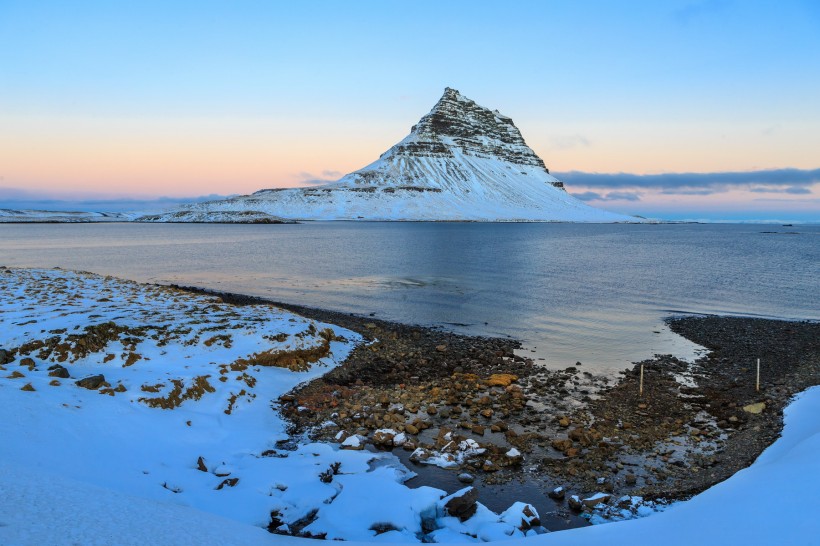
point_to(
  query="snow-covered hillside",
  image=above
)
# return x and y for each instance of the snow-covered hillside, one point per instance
(120, 398)
(57, 216)
(459, 162)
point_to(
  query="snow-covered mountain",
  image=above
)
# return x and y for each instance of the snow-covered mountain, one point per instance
(460, 162)
(59, 217)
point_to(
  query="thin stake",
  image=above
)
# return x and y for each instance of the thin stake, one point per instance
(757, 384)
(641, 384)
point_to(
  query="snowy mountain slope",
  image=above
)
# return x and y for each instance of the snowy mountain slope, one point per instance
(459, 162)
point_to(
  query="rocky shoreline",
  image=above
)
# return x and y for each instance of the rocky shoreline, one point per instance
(597, 447)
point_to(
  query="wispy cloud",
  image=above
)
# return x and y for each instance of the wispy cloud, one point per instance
(794, 190)
(566, 142)
(611, 196)
(791, 181)
(310, 179)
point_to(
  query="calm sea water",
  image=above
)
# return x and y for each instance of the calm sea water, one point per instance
(597, 294)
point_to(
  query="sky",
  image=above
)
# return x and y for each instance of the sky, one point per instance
(672, 109)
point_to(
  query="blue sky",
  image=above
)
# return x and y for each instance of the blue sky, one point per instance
(148, 99)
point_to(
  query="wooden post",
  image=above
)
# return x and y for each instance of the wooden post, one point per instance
(640, 388)
(757, 383)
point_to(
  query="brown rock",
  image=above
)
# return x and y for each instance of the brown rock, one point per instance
(501, 379)
(595, 500)
(463, 504)
(229, 482)
(58, 371)
(564, 422)
(562, 444)
(91, 382)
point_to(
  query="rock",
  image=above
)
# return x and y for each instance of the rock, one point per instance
(5, 357)
(564, 422)
(431, 410)
(489, 466)
(487, 413)
(28, 362)
(529, 518)
(574, 502)
(27, 387)
(462, 504)
(58, 371)
(630, 479)
(755, 408)
(478, 430)
(419, 455)
(200, 464)
(383, 437)
(514, 456)
(441, 348)
(353, 442)
(501, 379)
(411, 429)
(466, 477)
(562, 444)
(229, 482)
(595, 500)
(91, 382)
(557, 493)
(370, 326)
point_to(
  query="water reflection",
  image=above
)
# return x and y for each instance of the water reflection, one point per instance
(590, 293)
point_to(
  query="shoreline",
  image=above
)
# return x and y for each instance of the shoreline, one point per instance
(693, 427)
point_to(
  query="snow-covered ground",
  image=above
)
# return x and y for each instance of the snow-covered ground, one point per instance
(179, 441)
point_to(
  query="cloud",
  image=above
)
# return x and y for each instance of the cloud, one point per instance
(309, 179)
(588, 196)
(693, 192)
(794, 181)
(566, 142)
(611, 196)
(794, 190)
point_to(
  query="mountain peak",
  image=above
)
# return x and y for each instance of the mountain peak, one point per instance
(456, 124)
